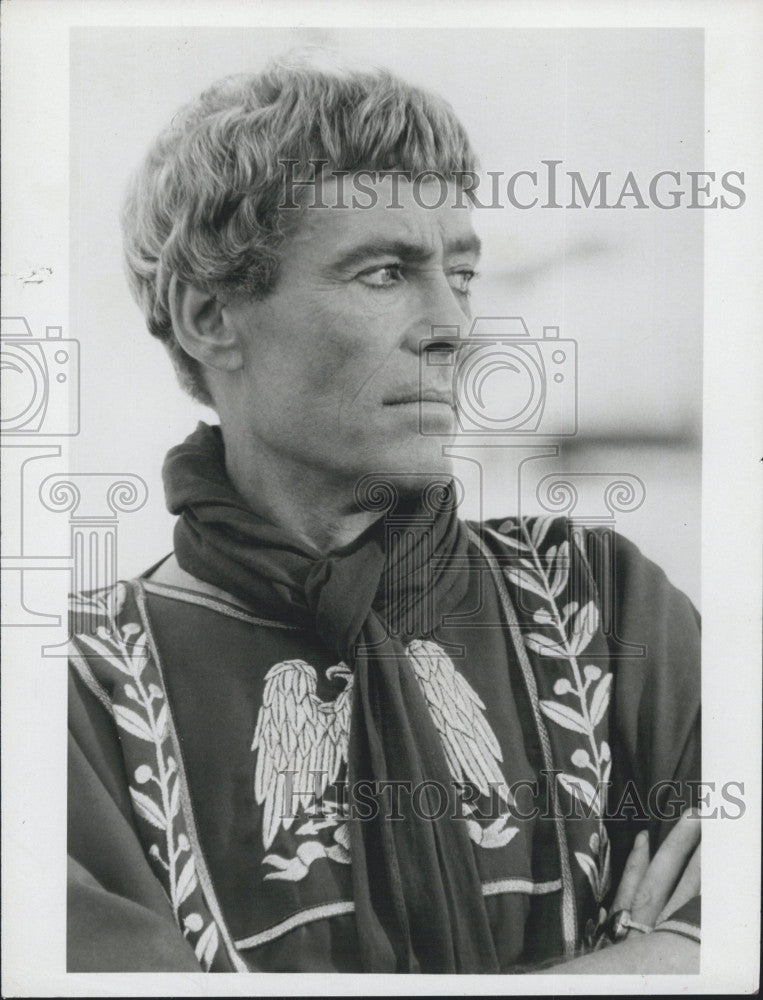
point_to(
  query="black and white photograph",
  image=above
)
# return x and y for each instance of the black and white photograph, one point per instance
(380, 441)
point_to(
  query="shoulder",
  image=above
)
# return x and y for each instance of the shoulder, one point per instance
(169, 576)
(91, 612)
(521, 531)
(106, 633)
(616, 565)
(530, 537)
(543, 531)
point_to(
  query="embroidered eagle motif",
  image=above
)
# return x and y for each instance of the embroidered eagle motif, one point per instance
(301, 741)
(470, 745)
(305, 738)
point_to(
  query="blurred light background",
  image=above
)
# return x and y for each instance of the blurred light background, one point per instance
(626, 285)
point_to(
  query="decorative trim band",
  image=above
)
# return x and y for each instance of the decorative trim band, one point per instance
(502, 885)
(496, 887)
(569, 928)
(202, 870)
(321, 912)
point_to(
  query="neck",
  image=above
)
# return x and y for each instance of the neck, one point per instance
(305, 502)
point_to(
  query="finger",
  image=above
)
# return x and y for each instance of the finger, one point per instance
(687, 888)
(666, 868)
(635, 869)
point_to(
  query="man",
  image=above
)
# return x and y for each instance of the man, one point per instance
(340, 729)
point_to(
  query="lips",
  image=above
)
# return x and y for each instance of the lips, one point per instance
(423, 396)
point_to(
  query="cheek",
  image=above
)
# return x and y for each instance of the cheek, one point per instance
(342, 351)
(322, 352)
(296, 348)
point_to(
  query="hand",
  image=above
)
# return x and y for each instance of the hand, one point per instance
(651, 891)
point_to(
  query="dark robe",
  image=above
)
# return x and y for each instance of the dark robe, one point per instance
(565, 688)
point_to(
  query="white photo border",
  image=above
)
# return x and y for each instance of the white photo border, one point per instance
(35, 177)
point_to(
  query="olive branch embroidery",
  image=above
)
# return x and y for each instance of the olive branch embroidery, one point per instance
(125, 647)
(546, 574)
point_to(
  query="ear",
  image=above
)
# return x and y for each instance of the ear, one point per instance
(200, 324)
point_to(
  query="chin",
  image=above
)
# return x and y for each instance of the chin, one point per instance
(416, 461)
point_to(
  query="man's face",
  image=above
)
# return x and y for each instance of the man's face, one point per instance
(336, 356)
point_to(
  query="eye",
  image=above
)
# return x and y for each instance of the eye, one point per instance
(382, 277)
(460, 281)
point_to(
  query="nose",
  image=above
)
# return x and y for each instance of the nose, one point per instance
(443, 346)
(440, 330)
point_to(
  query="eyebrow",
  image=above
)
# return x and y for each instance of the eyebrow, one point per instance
(405, 250)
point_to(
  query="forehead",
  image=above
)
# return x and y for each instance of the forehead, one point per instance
(430, 213)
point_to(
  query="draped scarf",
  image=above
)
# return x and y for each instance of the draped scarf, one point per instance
(418, 897)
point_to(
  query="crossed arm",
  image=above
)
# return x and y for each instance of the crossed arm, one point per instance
(651, 890)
